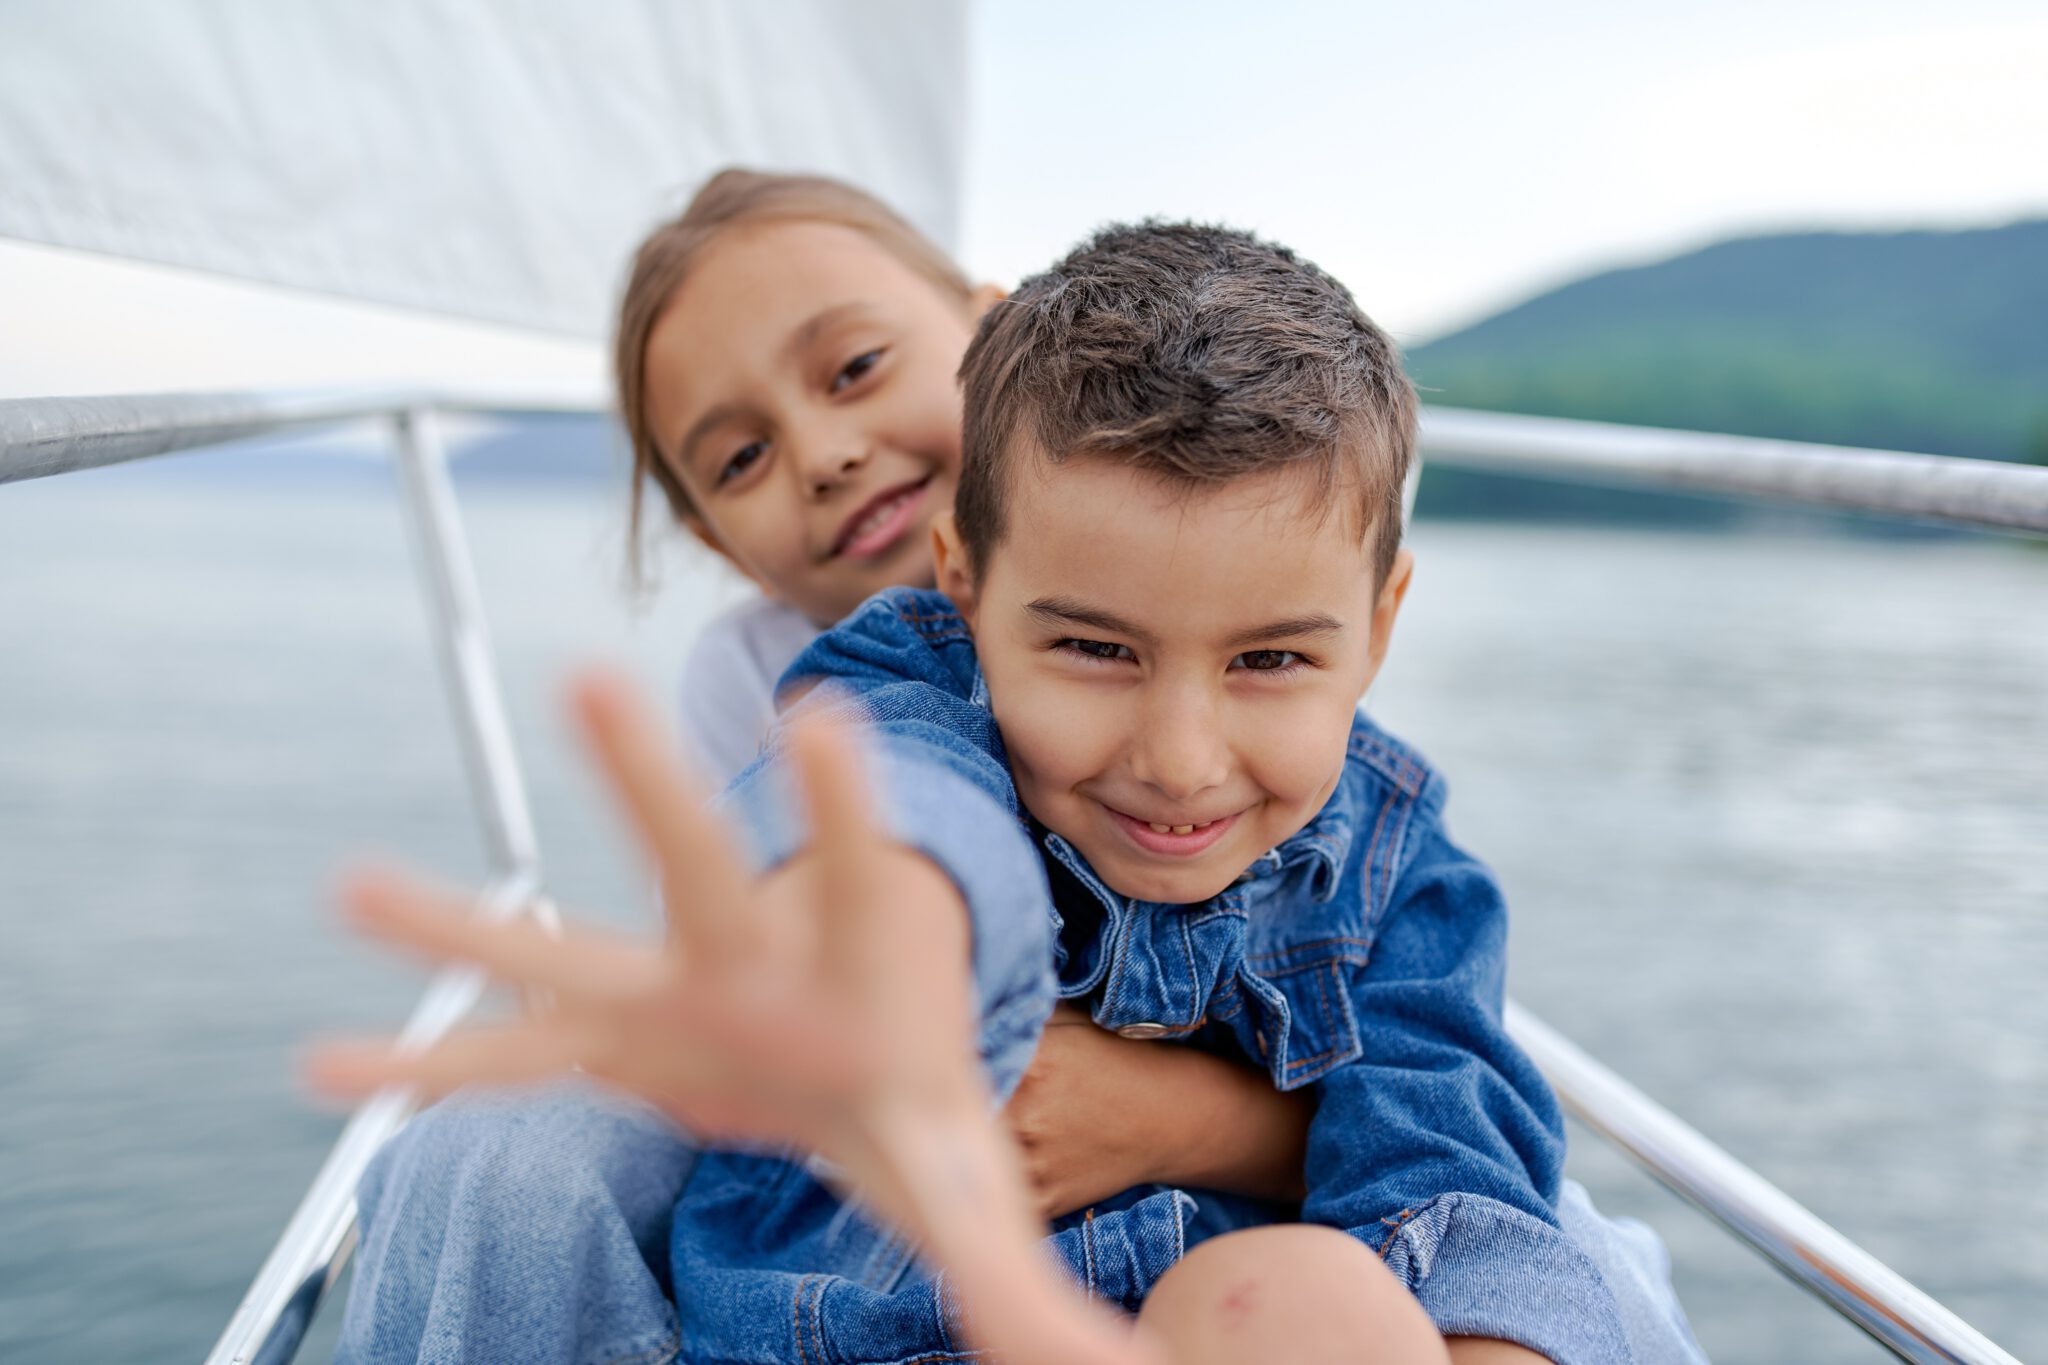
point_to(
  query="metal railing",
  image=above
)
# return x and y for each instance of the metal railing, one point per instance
(40, 437)
(1982, 495)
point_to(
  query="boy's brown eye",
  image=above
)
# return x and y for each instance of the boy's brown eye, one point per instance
(852, 370)
(1097, 649)
(1268, 660)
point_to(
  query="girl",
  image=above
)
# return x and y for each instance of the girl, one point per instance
(785, 363)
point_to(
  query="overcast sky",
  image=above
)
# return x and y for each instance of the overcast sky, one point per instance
(1444, 159)
(1448, 158)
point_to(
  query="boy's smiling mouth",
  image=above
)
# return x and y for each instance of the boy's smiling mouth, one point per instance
(1174, 841)
(879, 523)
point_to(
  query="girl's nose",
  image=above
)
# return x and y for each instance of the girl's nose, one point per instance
(823, 452)
(829, 472)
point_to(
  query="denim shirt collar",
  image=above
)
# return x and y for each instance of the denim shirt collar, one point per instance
(1322, 845)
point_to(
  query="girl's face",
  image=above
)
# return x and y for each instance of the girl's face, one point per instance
(801, 385)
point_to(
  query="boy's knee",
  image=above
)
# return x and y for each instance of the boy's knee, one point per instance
(1292, 1291)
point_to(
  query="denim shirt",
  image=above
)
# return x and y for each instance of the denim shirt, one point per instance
(1361, 960)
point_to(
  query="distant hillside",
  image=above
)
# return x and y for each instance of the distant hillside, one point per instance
(1930, 341)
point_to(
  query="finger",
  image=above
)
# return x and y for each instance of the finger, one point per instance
(513, 1054)
(704, 886)
(837, 799)
(442, 926)
(839, 808)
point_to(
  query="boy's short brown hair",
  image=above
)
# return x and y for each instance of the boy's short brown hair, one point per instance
(1199, 354)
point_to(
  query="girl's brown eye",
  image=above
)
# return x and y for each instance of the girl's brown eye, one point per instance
(742, 460)
(851, 372)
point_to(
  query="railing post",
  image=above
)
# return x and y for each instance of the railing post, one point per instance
(271, 1321)
(448, 580)
(1902, 1318)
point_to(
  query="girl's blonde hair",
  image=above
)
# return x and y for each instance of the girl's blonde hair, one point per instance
(729, 198)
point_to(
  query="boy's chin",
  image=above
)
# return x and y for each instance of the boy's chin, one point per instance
(1201, 879)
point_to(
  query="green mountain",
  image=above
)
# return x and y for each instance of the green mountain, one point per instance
(1927, 341)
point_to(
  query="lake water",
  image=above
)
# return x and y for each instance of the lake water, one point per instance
(1771, 808)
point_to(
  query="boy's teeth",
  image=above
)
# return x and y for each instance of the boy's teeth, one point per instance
(1158, 828)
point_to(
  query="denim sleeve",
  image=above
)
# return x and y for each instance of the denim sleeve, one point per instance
(951, 802)
(1441, 1147)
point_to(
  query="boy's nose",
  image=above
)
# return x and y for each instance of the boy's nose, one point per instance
(1179, 749)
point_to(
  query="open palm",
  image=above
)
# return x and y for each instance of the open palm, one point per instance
(827, 1004)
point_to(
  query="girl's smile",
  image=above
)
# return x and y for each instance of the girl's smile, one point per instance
(878, 525)
(800, 387)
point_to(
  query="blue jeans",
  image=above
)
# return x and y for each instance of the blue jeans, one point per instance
(523, 1226)
(535, 1227)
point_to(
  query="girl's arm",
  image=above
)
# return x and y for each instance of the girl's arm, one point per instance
(1097, 1114)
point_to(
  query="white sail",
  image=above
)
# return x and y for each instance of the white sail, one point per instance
(489, 158)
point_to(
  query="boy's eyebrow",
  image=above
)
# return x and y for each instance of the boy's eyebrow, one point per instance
(1315, 623)
(1057, 612)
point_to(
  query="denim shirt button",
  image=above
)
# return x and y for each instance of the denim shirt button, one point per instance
(1142, 1031)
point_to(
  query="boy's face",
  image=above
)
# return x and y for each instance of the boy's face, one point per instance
(1174, 673)
(800, 383)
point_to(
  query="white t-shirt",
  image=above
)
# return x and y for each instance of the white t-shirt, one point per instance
(729, 679)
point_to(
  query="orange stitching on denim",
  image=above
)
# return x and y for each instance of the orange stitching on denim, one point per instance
(1088, 1247)
(1397, 1222)
(818, 1314)
(1114, 990)
(1187, 952)
(796, 1324)
(1372, 849)
(1293, 948)
(1323, 1004)
(1406, 773)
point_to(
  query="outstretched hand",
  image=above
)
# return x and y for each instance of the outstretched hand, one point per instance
(778, 1008)
(828, 1004)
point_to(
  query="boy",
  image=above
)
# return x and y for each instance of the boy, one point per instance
(1174, 570)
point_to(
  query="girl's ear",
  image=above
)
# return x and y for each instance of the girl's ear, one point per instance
(984, 297)
(949, 565)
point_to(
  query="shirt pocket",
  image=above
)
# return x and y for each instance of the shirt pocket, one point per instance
(1306, 1026)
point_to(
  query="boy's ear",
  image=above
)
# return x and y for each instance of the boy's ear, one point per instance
(984, 297)
(949, 564)
(1388, 606)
